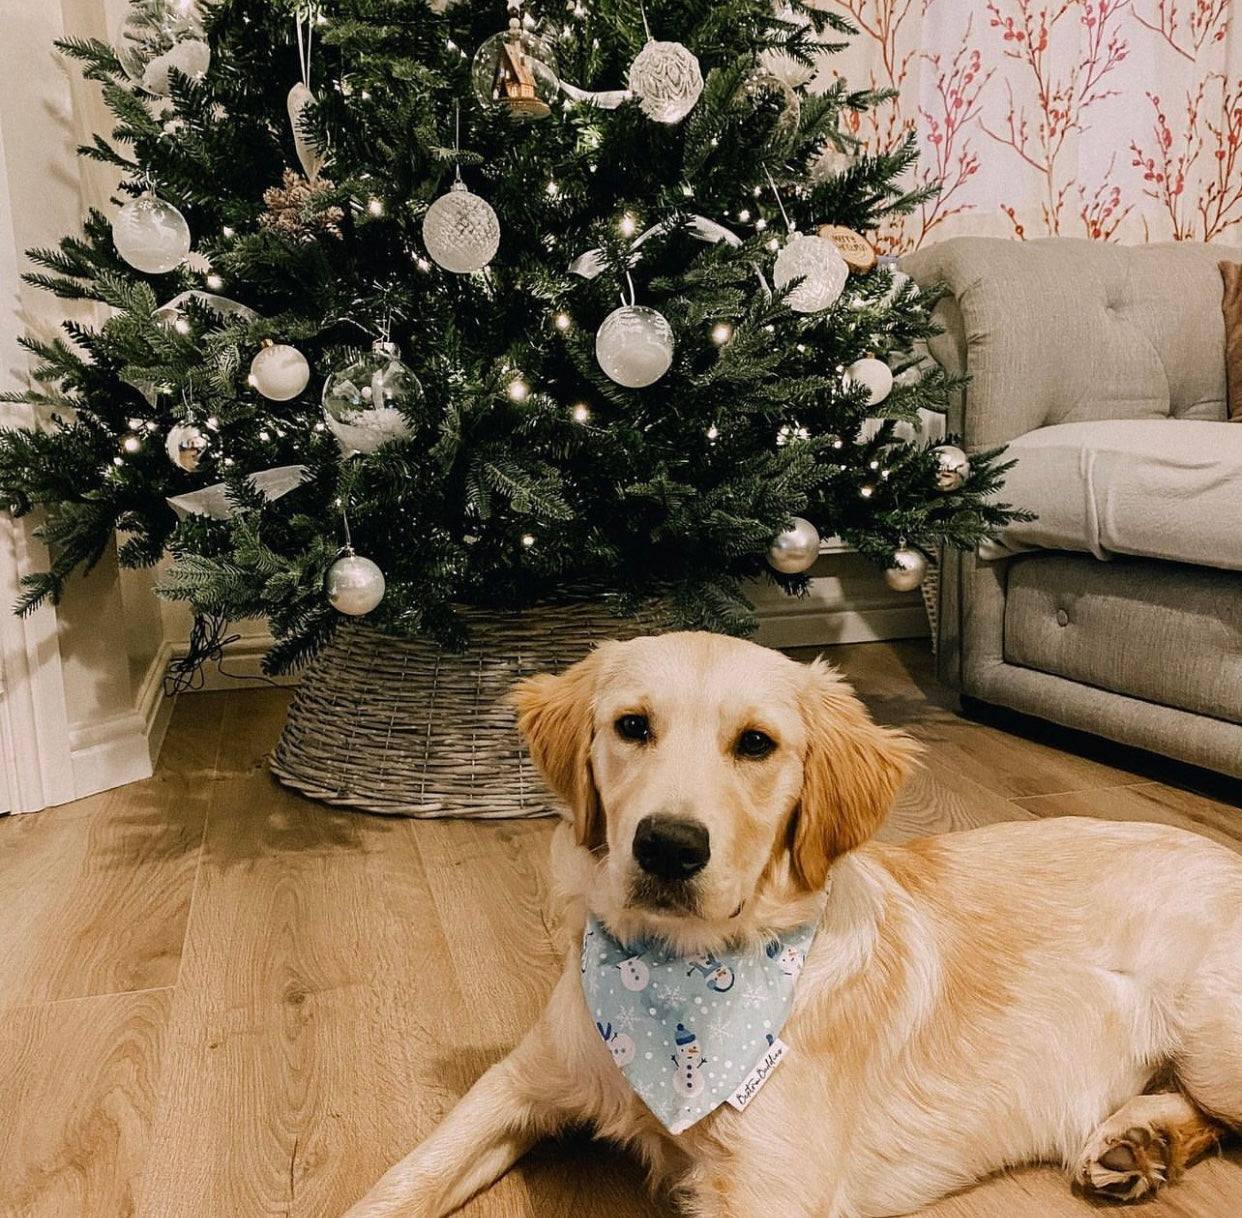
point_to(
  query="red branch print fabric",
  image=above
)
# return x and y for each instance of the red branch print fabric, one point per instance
(1117, 120)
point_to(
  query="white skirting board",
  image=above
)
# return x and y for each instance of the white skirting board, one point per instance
(848, 602)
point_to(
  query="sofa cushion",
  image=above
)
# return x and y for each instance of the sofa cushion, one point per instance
(1161, 488)
(1162, 632)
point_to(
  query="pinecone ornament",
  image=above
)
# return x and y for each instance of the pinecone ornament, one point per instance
(293, 209)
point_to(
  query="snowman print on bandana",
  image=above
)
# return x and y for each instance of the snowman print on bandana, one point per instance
(689, 1062)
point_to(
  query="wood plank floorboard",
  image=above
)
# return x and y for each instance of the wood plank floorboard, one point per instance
(221, 1000)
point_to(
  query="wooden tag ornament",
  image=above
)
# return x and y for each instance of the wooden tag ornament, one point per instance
(857, 251)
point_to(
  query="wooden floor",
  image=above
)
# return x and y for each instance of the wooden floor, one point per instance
(222, 1001)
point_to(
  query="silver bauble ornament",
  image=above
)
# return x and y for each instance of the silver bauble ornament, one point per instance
(355, 585)
(186, 446)
(875, 374)
(666, 79)
(279, 372)
(516, 70)
(363, 402)
(908, 570)
(818, 263)
(634, 346)
(158, 35)
(796, 549)
(151, 235)
(461, 231)
(952, 467)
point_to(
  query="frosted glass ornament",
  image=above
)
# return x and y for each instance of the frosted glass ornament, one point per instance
(781, 64)
(461, 231)
(666, 79)
(765, 90)
(151, 235)
(796, 549)
(158, 35)
(363, 402)
(820, 266)
(516, 70)
(186, 446)
(875, 374)
(634, 346)
(908, 570)
(279, 372)
(355, 585)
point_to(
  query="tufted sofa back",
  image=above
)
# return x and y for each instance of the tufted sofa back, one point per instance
(1066, 331)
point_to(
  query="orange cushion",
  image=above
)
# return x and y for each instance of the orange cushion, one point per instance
(1231, 307)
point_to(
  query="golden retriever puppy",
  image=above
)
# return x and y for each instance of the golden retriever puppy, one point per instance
(965, 1002)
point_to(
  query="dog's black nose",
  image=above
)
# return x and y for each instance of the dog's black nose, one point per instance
(671, 849)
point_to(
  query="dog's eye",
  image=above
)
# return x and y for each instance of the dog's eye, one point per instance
(754, 743)
(634, 727)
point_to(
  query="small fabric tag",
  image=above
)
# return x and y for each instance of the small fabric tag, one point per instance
(759, 1075)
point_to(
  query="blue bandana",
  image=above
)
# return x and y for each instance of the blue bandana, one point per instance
(691, 1033)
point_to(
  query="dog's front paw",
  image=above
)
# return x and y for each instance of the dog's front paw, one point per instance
(1127, 1167)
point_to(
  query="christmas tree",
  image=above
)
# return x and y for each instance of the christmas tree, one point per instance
(516, 304)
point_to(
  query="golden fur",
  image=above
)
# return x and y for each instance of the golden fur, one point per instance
(971, 1001)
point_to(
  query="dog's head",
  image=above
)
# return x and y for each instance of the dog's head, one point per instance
(712, 781)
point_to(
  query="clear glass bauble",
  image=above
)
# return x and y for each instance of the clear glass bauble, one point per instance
(279, 372)
(516, 70)
(908, 570)
(818, 263)
(778, 101)
(666, 79)
(158, 35)
(364, 402)
(796, 549)
(461, 231)
(875, 374)
(634, 346)
(952, 467)
(151, 235)
(355, 585)
(186, 446)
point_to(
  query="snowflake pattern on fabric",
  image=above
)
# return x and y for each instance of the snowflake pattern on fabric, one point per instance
(687, 1031)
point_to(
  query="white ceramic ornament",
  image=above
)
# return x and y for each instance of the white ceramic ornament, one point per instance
(355, 585)
(186, 446)
(796, 549)
(666, 79)
(300, 98)
(818, 263)
(158, 35)
(875, 374)
(362, 402)
(908, 570)
(279, 372)
(461, 231)
(634, 346)
(516, 70)
(952, 467)
(151, 235)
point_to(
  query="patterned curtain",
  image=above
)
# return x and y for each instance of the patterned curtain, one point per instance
(1118, 120)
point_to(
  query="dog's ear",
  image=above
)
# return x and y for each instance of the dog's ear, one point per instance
(851, 774)
(556, 718)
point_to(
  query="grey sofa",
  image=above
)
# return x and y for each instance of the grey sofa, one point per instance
(1119, 610)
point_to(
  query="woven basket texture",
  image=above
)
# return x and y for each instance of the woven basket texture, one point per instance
(401, 726)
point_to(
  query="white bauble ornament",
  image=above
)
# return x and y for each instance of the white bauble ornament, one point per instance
(830, 162)
(355, 585)
(634, 346)
(158, 35)
(279, 372)
(908, 570)
(151, 235)
(461, 231)
(818, 263)
(875, 374)
(363, 402)
(186, 446)
(782, 65)
(796, 549)
(517, 70)
(666, 79)
(952, 467)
